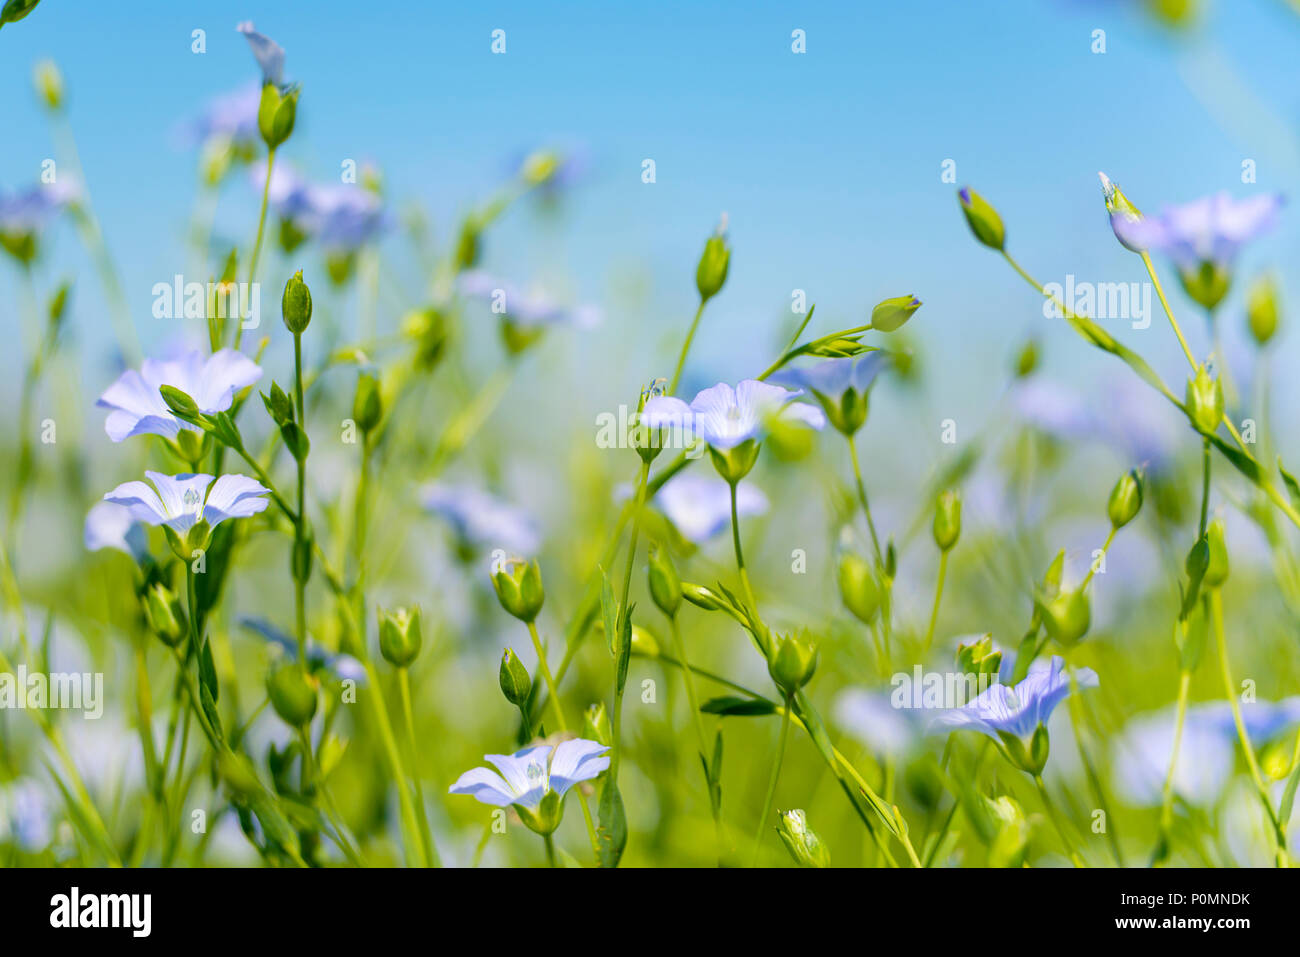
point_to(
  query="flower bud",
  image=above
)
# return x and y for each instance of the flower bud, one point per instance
(984, 220)
(367, 404)
(276, 113)
(519, 588)
(665, 586)
(1125, 499)
(295, 304)
(1207, 283)
(293, 693)
(735, 463)
(979, 658)
(947, 519)
(428, 329)
(399, 636)
(179, 402)
(1216, 569)
(1026, 360)
(793, 661)
(804, 846)
(1125, 218)
(515, 683)
(49, 83)
(890, 314)
(858, 586)
(595, 724)
(1067, 616)
(701, 597)
(162, 610)
(711, 273)
(278, 405)
(1204, 400)
(1262, 311)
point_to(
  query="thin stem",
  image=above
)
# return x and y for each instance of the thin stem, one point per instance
(938, 594)
(426, 836)
(766, 806)
(862, 498)
(1151, 271)
(1092, 569)
(1229, 690)
(1167, 791)
(257, 244)
(740, 557)
(688, 679)
(550, 850)
(686, 347)
(1056, 820)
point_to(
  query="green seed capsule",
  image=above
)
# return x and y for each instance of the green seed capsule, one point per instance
(858, 587)
(947, 520)
(711, 273)
(891, 314)
(1204, 400)
(665, 586)
(1068, 616)
(295, 304)
(1125, 499)
(793, 662)
(399, 636)
(515, 682)
(293, 693)
(1262, 311)
(518, 586)
(984, 220)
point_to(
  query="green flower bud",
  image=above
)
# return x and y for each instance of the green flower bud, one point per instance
(519, 588)
(515, 683)
(368, 403)
(595, 724)
(278, 405)
(162, 610)
(467, 244)
(1262, 310)
(1123, 215)
(179, 402)
(1125, 499)
(399, 636)
(1026, 360)
(1031, 758)
(804, 846)
(793, 661)
(1010, 845)
(858, 586)
(984, 220)
(665, 586)
(848, 413)
(979, 658)
(1207, 284)
(295, 304)
(1067, 616)
(1216, 570)
(735, 463)
(49, 83)
(428, 329)
(890, 314)
(701, 597)
(293, 693)
(1204, 400)
(711, 273)
(947, 519)
(289, 235)
(276, 114)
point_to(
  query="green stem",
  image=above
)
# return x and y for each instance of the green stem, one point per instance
(1056, 820)
(766, 807)
(688, 679)
(938, 594)
(257, 244)
(1167, 791)
(1151, 271)
(1092, 569)
(686, 347)
(426, 836)
(549, 841)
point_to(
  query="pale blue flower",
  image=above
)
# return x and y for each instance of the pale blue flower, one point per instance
(319, 658)
(181, 501)
(725, 417)
(109, 525)
(1140, 756)
(481, 520)
(29, 211)
(211, 381)
(525, 777)
(268, 53)
(871, 718)
(1017, 710)
(26, 815)
(531, 307)
(231, 116)
(342, 217)
(832, 378)
(699, 506)
(1264, 720)
(1208, 230)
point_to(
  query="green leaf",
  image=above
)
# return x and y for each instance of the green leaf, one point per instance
(208, 671)
(609, 614)
(1292, 487)
(738, 707)
(210, 712)
(611, 836)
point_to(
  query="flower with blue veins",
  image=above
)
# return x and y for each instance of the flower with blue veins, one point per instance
(268, 53)
(840, 386)
(732, 422)
(189, 506)
(534, 786)
(211, 381)
(109, 525)
(699, 506)
(481, 520)
(1016, 716)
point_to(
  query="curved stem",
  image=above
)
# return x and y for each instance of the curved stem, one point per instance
(766, 806)
(1056, 820)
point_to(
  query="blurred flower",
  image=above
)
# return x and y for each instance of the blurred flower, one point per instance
(872, 719)
(481, 520)
(1054, 409)
(25, 815)
(839, 385)
(268, 53)
(342, 217)
(211, 381)
(550, 169)
(529, 308)
(25, 214)
(180, 501)
(319, 658)
(232, 116)
(699, 506)
(1264, 720)
(1017, 710)
(1140, 760)
(109, 525)
(1207, 230)
(725, 417)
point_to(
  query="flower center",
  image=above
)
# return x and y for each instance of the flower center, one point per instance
(193, 502)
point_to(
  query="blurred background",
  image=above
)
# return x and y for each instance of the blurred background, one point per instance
(830, 168)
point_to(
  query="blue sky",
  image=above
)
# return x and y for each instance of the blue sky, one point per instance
(828, 163)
